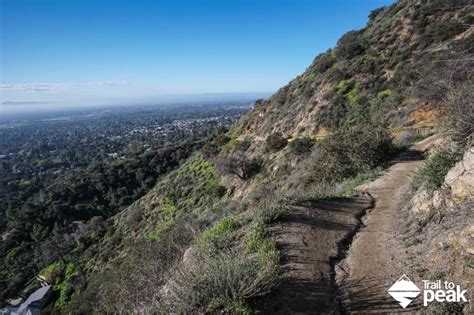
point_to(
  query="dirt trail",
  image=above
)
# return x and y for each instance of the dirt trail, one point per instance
(316, 235)
(309, 237)
(375, 259)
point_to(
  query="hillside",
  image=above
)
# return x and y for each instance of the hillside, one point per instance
(210, 236)
(384, 73)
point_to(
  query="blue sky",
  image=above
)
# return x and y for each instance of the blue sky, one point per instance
(85, 51)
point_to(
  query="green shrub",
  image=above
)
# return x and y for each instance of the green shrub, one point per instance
(275, 142)
(352, 96)
(385, 93)
(269, 212)
(214, 188)
(302, 145)
(438, 31)
(350, 45)
(218, 237)
(432, 174)
(438, 275)
(348, 187)
(215, 143)
(345, 154)
(345, 86)
(311, 76)
(55, 268)
(243, 145)
(323, 62)
(260, 241)
(449, 308)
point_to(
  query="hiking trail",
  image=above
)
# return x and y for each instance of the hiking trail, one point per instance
(341, 255)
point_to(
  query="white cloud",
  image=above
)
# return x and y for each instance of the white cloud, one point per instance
(51, 87)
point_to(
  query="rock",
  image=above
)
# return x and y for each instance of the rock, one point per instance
(189, 257)
(438, 200)
(463, 241)
(421, 202)
(461, 178)
(466, 239)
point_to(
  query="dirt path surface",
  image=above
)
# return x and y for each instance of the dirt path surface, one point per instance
(375, 259)
(309, 237)
(340, 256)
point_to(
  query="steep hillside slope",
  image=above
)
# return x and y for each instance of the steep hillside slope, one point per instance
(385, 72)
(202, 241)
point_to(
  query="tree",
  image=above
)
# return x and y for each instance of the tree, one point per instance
(302, 145)
(275, 142)
(238, 165)
(350, 45)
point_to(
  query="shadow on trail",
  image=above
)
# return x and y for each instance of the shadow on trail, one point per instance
(339, 204)
(308, 237)
(314, 221)
(408, 155)
(365, 295)
(299, 297)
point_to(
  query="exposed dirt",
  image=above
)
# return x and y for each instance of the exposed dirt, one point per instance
(375, 259)
(310, 238)
(315, 236)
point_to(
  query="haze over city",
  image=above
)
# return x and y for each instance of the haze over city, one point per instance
(57, 54)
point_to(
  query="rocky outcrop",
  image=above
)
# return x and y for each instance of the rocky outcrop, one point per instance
(458, 187)
(460, 179)
(441, 225)
(463, 240)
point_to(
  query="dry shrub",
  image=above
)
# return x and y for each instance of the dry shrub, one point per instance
(346, 154)
(459, 113)
(219, 283)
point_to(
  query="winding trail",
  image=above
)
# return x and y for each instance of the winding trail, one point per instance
(375, 259)
(340, 256)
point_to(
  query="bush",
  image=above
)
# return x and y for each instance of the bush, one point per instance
(459, 113)
(239, 165)
(350, 45)
(275, 142)
(220, 282)
(432, 174)
(438, 31)
(323, 62)
(218, 237)
(215, 142)
(269, 212)
(302, 145)
(243, 145)
(346, 154)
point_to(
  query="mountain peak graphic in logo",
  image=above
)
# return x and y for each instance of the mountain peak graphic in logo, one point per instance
(404, 291)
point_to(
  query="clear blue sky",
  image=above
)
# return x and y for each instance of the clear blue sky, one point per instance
(115, 50)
